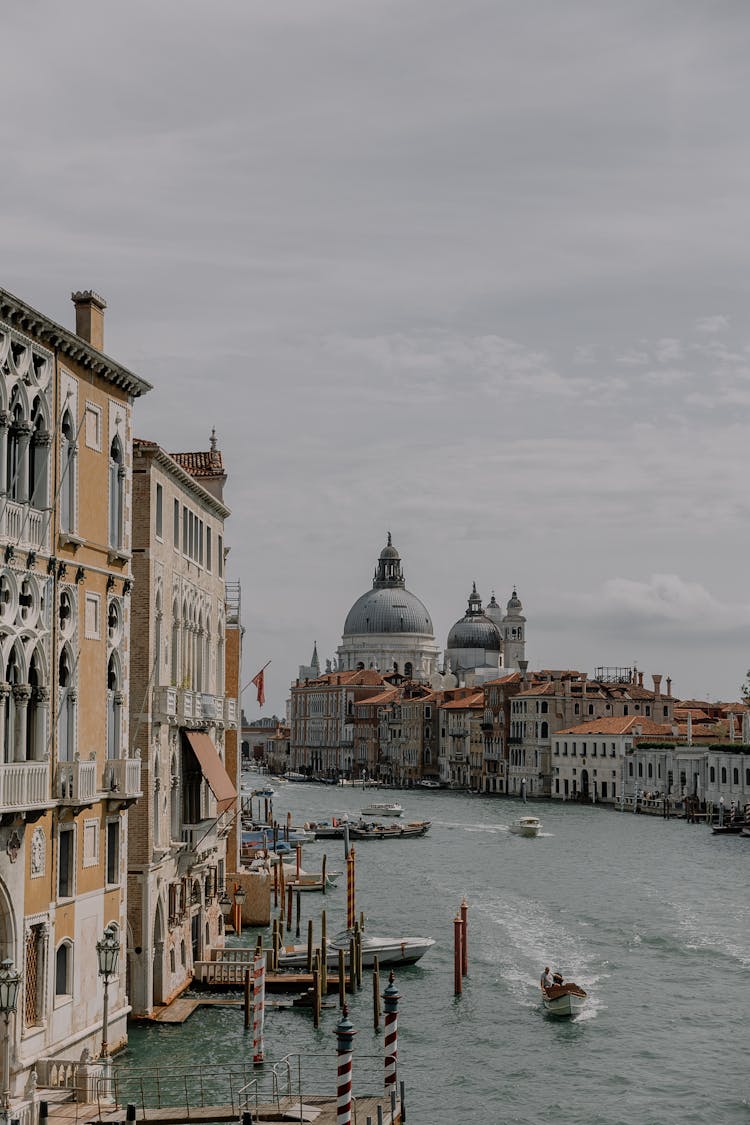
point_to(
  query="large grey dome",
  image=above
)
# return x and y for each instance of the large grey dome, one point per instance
(389, 607)
(389, 610)
(475, 629)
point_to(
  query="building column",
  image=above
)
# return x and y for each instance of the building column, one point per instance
(41, 721)
(21, 696)
(22, 473)
(4, 695)
(3, 452)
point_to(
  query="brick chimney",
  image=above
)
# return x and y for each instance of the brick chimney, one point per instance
(657, 687)
(90, 317)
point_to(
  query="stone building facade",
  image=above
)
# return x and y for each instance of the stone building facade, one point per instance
(68, 770)
(182, 709)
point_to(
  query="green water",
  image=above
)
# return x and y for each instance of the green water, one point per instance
(651, 917)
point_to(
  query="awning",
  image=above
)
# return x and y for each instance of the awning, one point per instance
(212, 768)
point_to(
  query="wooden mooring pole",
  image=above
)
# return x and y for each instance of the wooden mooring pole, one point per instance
(248, 982)
(457, 955)
(375, 993)
(464, 938)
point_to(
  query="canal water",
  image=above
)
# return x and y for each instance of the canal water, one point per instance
(651, 917)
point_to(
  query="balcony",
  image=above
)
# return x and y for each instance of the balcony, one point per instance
(165, 704)
(75, 783)
(23, 786)
(122, 778)
(23, 526)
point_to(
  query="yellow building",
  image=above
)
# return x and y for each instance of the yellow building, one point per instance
(66, 774)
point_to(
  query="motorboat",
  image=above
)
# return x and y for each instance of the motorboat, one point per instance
(382, 808)
(389, 831)
(428, 783)
(389, 951)
(295, 777)
(564, 999)
(526, 826)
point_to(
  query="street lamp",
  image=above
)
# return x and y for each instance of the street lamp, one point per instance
(10, 982)
(107, 952)
(240, 894)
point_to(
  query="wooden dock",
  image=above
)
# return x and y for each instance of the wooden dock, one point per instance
(320, 1109)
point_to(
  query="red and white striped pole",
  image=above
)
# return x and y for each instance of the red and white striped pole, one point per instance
(391, 998)
(344, 1043)
(259, 1004)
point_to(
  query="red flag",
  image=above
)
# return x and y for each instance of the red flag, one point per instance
(258, 681)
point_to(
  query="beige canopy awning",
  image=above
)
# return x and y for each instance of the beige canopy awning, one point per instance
(212, 768)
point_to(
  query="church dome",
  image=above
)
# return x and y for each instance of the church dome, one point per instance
(475, 629)
(389, 610)
(388, 607)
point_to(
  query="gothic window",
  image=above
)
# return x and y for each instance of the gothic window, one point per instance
(64, 969)
(67, 473)
(544, 732)
(175, 644)
(38, 455)
(16, 483)
(158, 625)
(114, 707)
(116, 492)
(114, 622)
(66, 688)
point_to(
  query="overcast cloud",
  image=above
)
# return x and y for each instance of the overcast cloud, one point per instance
(473, 273)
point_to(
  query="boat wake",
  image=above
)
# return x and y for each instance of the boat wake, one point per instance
(521, 937)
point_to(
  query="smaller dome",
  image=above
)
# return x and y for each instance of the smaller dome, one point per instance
(514, 605)
(475, 629)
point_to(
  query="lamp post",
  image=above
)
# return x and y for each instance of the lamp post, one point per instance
(107, 952)
(10, 982)
(240, 894)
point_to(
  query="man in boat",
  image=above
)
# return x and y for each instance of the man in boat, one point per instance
(546, 979)
(557, 978)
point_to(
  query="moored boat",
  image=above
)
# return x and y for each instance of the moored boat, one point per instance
(388, 950)
(528, 826)
(382, 808)
(389, 831)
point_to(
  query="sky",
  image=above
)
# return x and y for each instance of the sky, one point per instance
(475, 274)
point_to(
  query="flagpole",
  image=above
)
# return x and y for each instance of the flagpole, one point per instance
(247, 685)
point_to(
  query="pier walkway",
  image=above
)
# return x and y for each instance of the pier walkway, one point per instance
(320, 1109)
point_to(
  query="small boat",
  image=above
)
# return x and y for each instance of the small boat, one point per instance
(526, 826)
(295, 777)
(729, 828)
(564, 999)
(308, 881)
(264, 791)
(382, 808)
(389, 951)
(428, 783)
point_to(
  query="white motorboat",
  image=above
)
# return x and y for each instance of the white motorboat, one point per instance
(389, 951)
(382, 808)
(564, 999)
(526, 826)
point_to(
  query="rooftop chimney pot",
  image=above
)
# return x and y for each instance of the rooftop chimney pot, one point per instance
(90, 317)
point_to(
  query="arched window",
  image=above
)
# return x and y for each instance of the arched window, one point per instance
(156, 810)
(174, 791)
(712, 775)
(723, 775)
(64, 969)
(10, 715)
(67, 700)
(38, 457)
(116, 492)
(15, 476)
(736, 776)
(544, 732)
(545, 706)
(67, 473)
(158, 626)
(175, 670)
(114, 707)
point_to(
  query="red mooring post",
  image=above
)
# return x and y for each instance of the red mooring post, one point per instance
(390, 1003)
(464, 937)
(457, 955)
(344, 1043)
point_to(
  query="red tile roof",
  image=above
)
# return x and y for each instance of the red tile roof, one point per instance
(204, 464)
(618, 724)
